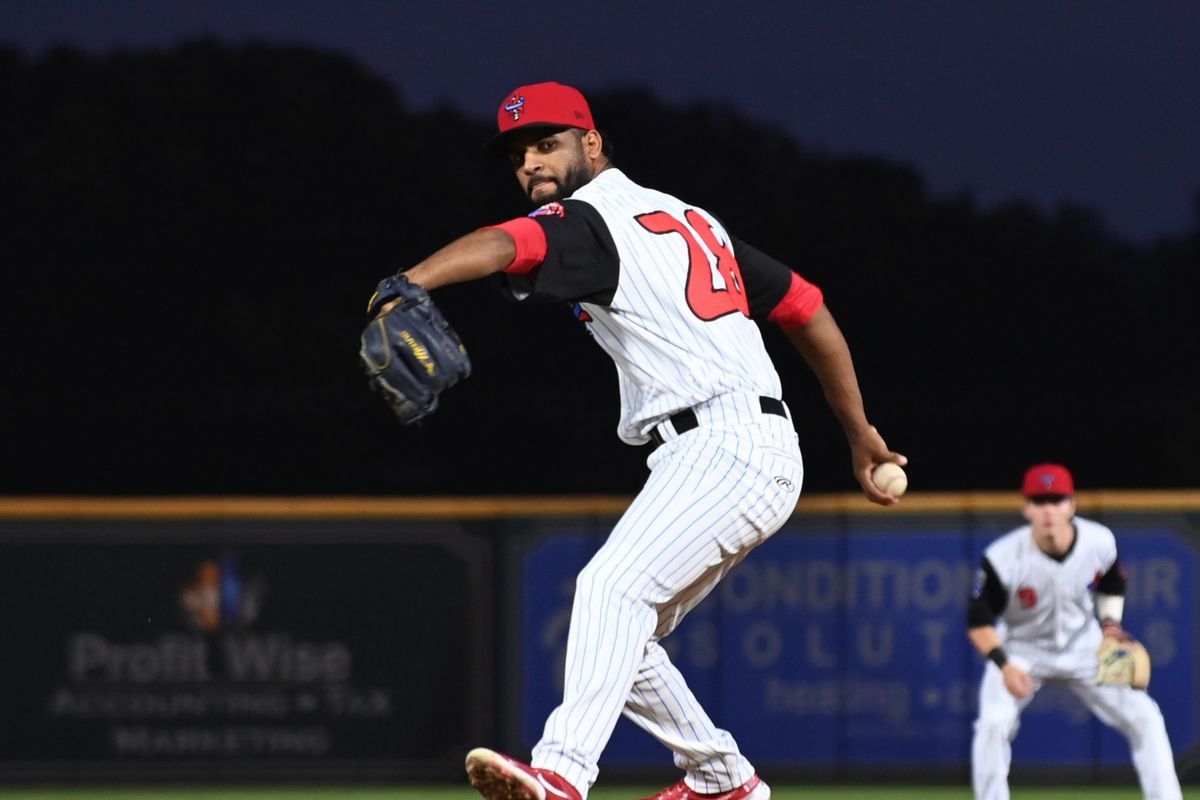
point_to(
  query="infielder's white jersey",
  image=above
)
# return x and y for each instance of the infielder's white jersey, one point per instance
(1050, 602)
(1043, 609)
(658, 284)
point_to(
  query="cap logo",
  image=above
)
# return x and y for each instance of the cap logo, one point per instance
(515, 106)
(1046, 480)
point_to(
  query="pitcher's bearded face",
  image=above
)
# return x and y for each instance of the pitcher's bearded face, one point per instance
(549, 166)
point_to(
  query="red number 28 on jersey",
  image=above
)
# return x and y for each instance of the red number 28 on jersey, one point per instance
(707, 299)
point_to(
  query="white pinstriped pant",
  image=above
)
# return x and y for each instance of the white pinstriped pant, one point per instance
(714, 494)
(1132, 712)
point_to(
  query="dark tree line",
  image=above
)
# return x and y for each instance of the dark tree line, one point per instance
(191, 236)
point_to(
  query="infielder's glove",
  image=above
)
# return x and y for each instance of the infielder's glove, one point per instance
(1123, 661)
(410, 354)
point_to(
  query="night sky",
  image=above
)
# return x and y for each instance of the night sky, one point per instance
(1092, 103)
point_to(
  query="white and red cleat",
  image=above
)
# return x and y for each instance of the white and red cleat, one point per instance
(498, 777)
(753, 789)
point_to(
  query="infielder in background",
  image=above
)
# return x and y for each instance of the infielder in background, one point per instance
(671, 296)
(1048, 593)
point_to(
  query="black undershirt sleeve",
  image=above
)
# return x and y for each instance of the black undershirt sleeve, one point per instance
(766, 280)
(1113, 581)
(581, 263)
(989, 601)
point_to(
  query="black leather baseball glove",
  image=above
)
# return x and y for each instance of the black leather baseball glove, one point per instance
(410, 354)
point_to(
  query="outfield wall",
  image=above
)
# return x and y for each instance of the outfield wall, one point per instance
(377, 638)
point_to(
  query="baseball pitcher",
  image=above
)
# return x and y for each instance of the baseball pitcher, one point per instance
(672, 296)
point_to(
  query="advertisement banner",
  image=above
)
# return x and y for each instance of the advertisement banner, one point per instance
(825, 648)
(241, 646)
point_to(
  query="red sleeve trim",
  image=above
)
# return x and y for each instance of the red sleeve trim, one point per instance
(530, 241)
(798, 306)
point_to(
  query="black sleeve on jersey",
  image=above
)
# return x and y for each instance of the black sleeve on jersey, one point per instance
(989, 602)
(1113, 581)
(581, 263)
(766, 280)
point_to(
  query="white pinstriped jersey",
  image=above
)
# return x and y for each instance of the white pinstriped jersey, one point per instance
(1050, 606)
(668, 358)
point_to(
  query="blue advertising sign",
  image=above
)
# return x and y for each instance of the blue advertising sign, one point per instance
(824, 649)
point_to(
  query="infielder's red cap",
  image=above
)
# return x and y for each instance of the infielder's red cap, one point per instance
(1044, 479)
(540, 105)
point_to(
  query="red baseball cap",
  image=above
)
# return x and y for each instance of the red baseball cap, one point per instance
(1044, 479)
(541, 105)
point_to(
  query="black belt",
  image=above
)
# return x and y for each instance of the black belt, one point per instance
(685, 420)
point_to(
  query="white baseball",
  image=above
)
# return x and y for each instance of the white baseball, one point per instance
(890, 478)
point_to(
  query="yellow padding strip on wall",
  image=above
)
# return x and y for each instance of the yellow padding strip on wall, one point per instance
(1184, 500)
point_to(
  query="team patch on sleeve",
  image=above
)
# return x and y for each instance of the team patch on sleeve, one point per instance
(549, 210)
(980, 580)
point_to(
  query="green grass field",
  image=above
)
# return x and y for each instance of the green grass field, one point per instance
(608, 793)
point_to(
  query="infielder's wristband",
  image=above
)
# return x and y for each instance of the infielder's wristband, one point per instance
(997, 656)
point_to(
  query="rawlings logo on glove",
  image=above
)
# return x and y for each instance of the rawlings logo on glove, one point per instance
(1123, 661)
(410, 354)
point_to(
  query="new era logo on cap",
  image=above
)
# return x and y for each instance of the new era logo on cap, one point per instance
(547, 105)
(1044, 479)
